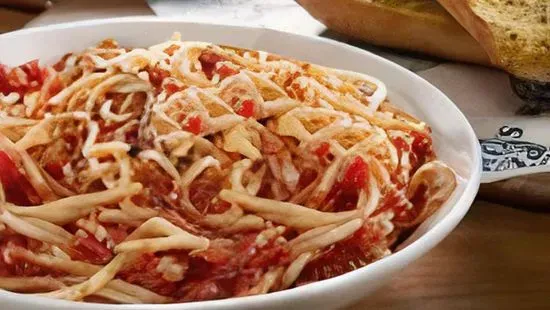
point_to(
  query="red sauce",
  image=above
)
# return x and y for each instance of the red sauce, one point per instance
(56, 87)
(60, 65)
(225, 271)
(390, 201)
(201, 193)
(153, 177)
(55, 169)
(71, 140)
(202, 290)
(5, 87)
(342, 198)
(143, 273)
(11, 82)
(306, 177)
(344, 194)
(219, 207)
(345, 256)
(271, 143)
(171, 88)
(131, 135)
(393, 201)
(18, 266)
(419, 200)
(157, 75)
(356, 174)
(107, 128)
(421, 148)
(17, 188)
(216, 255)
(90, 250)
(208, 60)
(401, 145)
(323, 150)
(33, 71)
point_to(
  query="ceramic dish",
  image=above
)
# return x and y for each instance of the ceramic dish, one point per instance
(454, 141)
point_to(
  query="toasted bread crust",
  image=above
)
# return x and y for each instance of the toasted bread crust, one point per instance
(515, 34)
(417, 25)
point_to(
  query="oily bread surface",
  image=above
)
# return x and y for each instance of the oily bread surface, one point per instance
(417, 25)
(514, 33)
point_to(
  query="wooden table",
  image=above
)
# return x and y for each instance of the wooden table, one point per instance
(497, 258)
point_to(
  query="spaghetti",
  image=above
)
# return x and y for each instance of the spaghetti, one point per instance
(189, 171)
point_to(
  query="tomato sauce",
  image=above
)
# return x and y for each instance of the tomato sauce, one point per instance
(208, 60)
(401, 145)
(418, 200)
(17, 188)
(201, 192)
(344, 194)
(421, 149)
(143, 273)
(247, 108)
(230, 270)
(157, 75)
(344, 256)
(225, 71)
(90, 250)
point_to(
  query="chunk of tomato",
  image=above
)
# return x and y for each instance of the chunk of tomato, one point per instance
(247, 108)
(225, 71)
(171, 88)
(194, 125)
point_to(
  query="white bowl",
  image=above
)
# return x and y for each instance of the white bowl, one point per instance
(454, 139)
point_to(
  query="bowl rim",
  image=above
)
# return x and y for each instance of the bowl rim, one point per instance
(402, 257)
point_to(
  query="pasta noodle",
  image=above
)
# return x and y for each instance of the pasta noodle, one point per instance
(176, 242)
(188, 171)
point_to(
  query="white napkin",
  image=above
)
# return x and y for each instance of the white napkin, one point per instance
(284, 15)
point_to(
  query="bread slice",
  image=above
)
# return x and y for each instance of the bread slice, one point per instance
(416, 25)
(514, 33)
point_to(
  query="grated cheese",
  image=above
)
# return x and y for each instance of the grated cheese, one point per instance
(10, 99)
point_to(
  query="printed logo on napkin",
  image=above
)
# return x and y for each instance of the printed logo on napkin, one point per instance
(513, 146)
